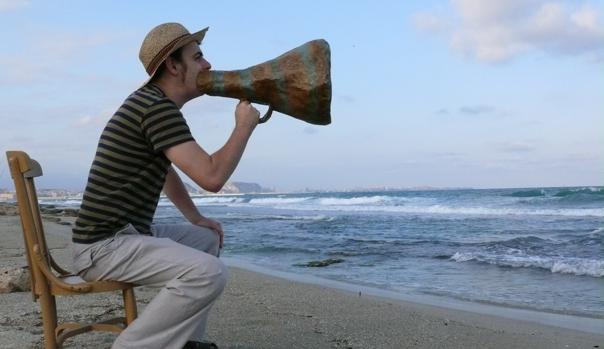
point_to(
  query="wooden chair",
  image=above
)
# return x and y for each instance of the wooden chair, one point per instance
(45, 284)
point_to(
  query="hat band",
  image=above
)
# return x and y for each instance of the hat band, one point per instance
(161, 55)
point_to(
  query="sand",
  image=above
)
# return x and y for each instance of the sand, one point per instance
(263, 311)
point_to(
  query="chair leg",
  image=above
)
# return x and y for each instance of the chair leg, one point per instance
(129, 305)
(49, 320)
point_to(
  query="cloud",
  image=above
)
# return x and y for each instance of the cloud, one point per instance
(56, 48)
(515, 147)
(11, 5)
(65, 44)
(476, 110)
(21, 139)
(428, 22)
(449, 155)
(91, 121)
(21, 71)
(346, 98)
(496, 31)
(310, 130)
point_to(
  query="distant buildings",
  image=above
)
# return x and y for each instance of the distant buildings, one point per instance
(231, 188)
(58, 194)
(7, 196)
(62, 194)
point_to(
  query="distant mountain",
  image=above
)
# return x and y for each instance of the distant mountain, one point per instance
(231, 188)
(245, 187)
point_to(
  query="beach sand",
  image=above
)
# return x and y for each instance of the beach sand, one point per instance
(262, 311)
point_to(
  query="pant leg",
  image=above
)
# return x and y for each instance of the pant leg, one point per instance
(199, 238)
(192, 281)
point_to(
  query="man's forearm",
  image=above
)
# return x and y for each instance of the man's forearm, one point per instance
(226, 159)
(212, 171)
(175, 190)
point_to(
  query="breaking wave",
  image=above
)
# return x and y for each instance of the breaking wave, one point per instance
(527, 193)
(563, 265)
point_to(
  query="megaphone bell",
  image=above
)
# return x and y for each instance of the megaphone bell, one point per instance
(297, 83)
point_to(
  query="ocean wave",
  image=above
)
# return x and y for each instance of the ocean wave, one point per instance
(597, 231)
(279, 200)
(563, 265)
(280, 217)
(206, 200)
(593, 191)
(272, 250)
(451, 210)
(527, 193)
(402, 205)
(518, 243)
(583, 196)
(359, 200)
(302, 218)
(324, 201)
(62, 203)
(384, 203)
(596, 237)
(217, 200)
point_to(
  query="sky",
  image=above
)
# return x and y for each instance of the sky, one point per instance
(460, 93)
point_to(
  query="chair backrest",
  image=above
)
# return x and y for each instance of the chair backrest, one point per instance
(23, 170)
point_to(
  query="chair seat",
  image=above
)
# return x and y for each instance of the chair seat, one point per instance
(72, 279)
(95, 286)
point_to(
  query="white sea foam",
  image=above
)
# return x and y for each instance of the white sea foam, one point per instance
(301, 218)
(563, 265)
(410, 205)
(360, 200)
(278, 200)
(377, 203)
(206, 200)
(217, 200)
(280, 217)
(310, 201)
(71, 202)
(440, 209)
(447, 210)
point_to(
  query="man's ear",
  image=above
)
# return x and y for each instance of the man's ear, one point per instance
(172, 65)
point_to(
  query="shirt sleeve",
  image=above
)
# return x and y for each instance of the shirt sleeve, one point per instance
(164, 126)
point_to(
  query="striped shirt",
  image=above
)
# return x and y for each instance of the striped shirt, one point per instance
(129, 168)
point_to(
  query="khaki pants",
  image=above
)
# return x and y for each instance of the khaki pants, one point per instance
(180, 258)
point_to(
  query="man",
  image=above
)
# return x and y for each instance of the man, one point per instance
(113, 236)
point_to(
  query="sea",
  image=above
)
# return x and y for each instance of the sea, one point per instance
(537, 248)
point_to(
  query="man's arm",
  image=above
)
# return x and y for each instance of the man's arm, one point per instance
(212, 171)
(175, 190)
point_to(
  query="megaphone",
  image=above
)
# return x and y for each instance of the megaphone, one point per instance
(297, 83)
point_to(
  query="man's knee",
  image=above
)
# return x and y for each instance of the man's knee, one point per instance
(222, 278)
(209, 240)
(210, 274)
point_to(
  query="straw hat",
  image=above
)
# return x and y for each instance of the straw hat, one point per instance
(162, 41)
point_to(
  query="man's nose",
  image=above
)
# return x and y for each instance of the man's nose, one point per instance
(205, 64)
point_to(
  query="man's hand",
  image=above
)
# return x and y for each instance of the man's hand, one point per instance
(212, 224)
(246, 115)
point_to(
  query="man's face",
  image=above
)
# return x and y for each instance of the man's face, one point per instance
(192, 63)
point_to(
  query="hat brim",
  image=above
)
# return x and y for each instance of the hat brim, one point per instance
(197, 36)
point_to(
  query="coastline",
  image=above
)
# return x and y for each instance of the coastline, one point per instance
(268, 311)
(566, 321)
